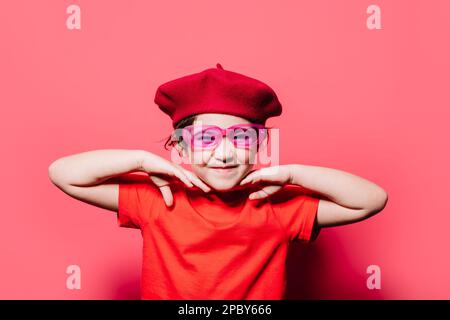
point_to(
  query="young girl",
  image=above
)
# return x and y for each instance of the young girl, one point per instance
(220, 230)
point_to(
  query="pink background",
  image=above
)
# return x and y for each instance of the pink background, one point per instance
(371, 102)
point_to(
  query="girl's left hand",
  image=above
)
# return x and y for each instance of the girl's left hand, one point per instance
(277, 176)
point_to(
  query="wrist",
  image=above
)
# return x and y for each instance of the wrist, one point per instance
(142, 159)
(295, 173)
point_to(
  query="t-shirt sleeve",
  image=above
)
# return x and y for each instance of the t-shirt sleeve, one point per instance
(136, 200)
(297, 211)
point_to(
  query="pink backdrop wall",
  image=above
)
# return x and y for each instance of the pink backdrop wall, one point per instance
(371, 102)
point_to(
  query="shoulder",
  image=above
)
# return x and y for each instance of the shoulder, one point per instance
(138, 188)
(296, 209)
(137, 181)
(289, 193)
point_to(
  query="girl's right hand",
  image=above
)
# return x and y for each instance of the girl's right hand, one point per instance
(161, 171)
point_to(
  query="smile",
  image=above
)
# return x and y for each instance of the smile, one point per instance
(228, 169)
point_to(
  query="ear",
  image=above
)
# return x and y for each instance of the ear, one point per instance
(182, 152)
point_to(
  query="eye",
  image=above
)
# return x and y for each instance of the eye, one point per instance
(241, 137)
(245, 135)
(205, 137)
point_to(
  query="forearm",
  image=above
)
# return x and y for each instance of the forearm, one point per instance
(341, 187)
(93, 167)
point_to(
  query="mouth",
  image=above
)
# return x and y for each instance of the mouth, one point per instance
(224, 169)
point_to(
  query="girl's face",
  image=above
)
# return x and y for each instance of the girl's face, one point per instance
(225, 165)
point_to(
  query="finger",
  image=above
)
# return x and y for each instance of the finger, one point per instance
(249, 177)
(164, 188)
(265, 174)
(158, 181)
(167, 195)
(264, 192)
(182, 176)
(252, 177)
(196, 180)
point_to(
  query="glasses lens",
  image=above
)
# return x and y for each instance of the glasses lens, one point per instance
(206, 138)
(247, 136)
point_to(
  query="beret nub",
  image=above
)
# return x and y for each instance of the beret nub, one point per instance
(217, 90)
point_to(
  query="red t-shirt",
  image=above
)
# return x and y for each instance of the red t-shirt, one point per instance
(191, 254)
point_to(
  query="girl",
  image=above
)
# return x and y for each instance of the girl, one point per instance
(220, 230)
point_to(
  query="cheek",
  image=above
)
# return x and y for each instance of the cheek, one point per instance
(246, 156)
(198, 158)
(245, 169)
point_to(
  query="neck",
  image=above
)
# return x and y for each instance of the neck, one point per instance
(229, 196)
(233, 197)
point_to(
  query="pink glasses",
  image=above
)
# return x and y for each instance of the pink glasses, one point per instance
(209, 136)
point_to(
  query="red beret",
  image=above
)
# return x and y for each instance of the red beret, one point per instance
(216, 90)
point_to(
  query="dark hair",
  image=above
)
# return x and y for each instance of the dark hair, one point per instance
(173, 139)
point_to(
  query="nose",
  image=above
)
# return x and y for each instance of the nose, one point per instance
(225, 151)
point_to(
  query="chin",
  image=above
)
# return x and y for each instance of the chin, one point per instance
(222, 187)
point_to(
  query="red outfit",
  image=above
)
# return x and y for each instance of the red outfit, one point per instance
(194, 254)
